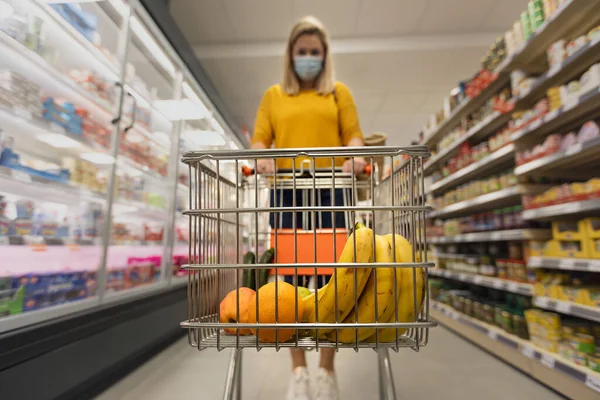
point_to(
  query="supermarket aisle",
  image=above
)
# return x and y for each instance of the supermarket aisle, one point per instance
(448, 368)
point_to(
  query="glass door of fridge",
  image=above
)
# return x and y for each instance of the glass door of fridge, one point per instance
(142, 202)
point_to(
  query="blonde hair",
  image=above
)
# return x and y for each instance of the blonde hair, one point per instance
(325, 83)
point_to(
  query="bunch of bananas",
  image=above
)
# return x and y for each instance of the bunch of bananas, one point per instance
(388, 282)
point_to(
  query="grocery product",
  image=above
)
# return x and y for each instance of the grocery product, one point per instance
(387, 280)
(286, 310)
(263, 273)
(346, 279)
(248, 276)
(230, 308)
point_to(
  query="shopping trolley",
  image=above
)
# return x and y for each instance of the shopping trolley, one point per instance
(220, 222)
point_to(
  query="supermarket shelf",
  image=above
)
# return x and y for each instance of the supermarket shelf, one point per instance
(564, 23)
(565, 210)
(23, 184)
(561, 73)
(499, 158)
(586, 107)
(568, 307)
(102, 63)
(23, 124)
(525, 289)
(564, 376)
(57, 81)
(466, 107)
(579, 156)
(569, 264)
(488, 201)
(479, 131)
(571, 20)
(495, 236)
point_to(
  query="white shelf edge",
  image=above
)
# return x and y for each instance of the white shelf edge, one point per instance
(495, 236)
(472, 169)
(565, 209)
(506, 285)
(466, 205)
(568, 307)
(564, 155)
(523, 347)
(569, 264)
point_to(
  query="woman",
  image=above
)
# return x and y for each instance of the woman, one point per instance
(308, 109)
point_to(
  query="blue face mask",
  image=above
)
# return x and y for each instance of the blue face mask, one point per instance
(308, 67)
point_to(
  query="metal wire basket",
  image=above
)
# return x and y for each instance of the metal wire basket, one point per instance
(223, 217)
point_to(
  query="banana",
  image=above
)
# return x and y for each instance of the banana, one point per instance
(345, 280)
(366, 302)
(406, 309)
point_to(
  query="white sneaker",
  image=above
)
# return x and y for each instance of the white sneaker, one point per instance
(299, 385)
(326, 386)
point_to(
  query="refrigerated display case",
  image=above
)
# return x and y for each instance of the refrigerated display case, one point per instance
(95, 109)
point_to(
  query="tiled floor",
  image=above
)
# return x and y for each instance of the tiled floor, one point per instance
(448, 368)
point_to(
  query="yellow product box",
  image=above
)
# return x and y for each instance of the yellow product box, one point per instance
(588, 296)
(548, 345)
(536, 248)
(567, 293)
(541, 290)
(550, 321)
(572, 248)
(551, 249)
(568, 230)
(592, 228)
(594, 248)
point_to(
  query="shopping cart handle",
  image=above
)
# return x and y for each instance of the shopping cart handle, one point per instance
(247, 171)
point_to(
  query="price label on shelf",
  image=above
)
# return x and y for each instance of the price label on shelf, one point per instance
(39, 247)
(535, 124)
(493, 335)
(541, 302)
(21, 176)
(563, 307)
(57, 129)
(23, 113)
(513, 287)
(73, 247)
(551, 115)
(547, 361)
(572, 102)
(478, 279)
(553, 70)
(498, 284)
(592, 382)
(528, 352)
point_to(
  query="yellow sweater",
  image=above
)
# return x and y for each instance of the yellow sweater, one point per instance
(307, 120)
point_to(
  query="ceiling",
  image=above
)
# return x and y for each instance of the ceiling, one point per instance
(400, 58)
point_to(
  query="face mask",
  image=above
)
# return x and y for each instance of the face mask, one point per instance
(308, 67)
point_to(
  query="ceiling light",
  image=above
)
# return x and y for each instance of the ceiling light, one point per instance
(59, 141)
(183, 109)
(98, 158)
(6, 10)
(153, 48)
(200, 139)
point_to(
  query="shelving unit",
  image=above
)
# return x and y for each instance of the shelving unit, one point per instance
(488, 201)
(496, 283)
(568, 308)
(569, 264)
(494, 234)
(60, 223)
(566, 210)
(566, 377)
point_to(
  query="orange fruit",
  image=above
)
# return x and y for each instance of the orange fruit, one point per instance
(286, 301)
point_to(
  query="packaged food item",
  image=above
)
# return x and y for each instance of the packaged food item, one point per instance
(583, 343)
(594, 34)
(576, 44)
(556, 53)
(536, 14)
(594, 361)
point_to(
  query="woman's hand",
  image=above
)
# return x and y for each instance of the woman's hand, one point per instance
(359, 165)
(265, 167)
